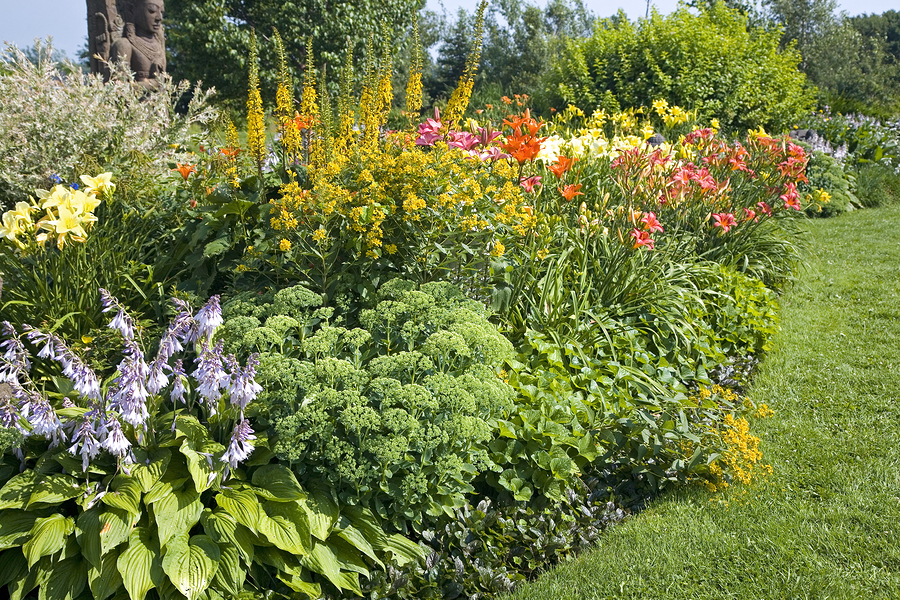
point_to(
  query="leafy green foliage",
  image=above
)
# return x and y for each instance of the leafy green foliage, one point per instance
(825, 173)
(172, 526)
(395, 415)
(710, 61)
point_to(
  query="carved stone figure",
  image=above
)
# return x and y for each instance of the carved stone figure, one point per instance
(139, 39)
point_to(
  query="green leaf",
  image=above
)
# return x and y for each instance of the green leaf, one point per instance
(277, 482)
(149, 467)
(230, 575)
(321, 512)
(67, 580)
(176, 512)
(15, 527)
(285, 525)
(200, 466)
(296, 583)
(322, 560)
(13, 566)
(191, 563)
(404, 550)
(225, 530)
(54, 489)
(106, 580)
(243, 506)
(139, 565)
(358, 540)
(216, 247)
(125, 494)
(87, 533)
(115, 528)
(48, 536)
(17, 491)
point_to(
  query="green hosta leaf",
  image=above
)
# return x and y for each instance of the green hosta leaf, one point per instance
(21, 586)
(348, 556)
(176, 512)
(149, 467)
(363, 519)
(115, 527)
(277, 482)
(106, 580)
(17, 491)
(321, 512)
(15, 527)
(285, 525)
(225, 530)
(54, 489)
(13, 566)
(48, 536)
(66, 581)
(243, 505)
(230, 575)
(139, 565)
(357, 539)
(124, 494)
(296, 583)
(323, 561)
(201, 466)
(404, 550)
(100, 530)
(191, 563)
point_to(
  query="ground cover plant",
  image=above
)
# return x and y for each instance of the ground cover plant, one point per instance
(429, 361)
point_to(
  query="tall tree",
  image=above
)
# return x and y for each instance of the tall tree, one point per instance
(209, 39)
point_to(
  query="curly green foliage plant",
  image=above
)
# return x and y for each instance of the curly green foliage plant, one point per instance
(712, 61)
(395, 415)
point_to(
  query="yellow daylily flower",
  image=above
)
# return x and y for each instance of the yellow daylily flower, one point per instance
(66, 223)
(101, 184)
(22, 212)
(9, 228)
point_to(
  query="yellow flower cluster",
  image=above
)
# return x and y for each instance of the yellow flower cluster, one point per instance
(68, 213)
(256, 120)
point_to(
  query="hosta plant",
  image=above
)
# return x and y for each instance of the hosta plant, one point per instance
(150, 483)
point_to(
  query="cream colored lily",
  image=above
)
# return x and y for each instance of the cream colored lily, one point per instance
(101, 184)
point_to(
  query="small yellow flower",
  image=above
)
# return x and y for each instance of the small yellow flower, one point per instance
(284, 245)
(319, 236)
(498, 249)
(391, 248)
(542, 253)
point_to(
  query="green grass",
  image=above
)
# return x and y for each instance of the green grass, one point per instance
(825, 524)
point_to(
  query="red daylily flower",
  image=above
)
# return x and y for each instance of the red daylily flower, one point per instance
(570, 191)
(185, 170)
(724, 220)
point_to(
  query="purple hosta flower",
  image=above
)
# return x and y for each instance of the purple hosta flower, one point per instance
(209, 373)
(128, 393)
(115, 441)
(240, 446)
(39, 414)
(157, 379)
(86, 436)
(184, 325)
(242, 387)
(122, 322)
(15, 356)
(209, 318)
(38, 338)
(178, 389)
(9, 413)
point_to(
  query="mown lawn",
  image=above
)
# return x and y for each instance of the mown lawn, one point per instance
(825, 524)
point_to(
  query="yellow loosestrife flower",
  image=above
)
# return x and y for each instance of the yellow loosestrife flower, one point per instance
(256, 120)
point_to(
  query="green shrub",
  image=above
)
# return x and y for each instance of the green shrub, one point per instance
(877, 184)
(396, 415)
(712, 61)
(56, 121)
(828, 175)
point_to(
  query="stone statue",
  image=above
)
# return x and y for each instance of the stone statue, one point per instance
(139, 40)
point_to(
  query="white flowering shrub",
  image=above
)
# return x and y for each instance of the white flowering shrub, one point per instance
(54, 119)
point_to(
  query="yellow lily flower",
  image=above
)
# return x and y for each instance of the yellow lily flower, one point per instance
(67, 223)
(101, 184)
(10, 229)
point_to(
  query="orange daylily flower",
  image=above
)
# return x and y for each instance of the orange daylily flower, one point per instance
(185, 170)
(561, 165)
(570, 191)
(229, 152)
(303, 122)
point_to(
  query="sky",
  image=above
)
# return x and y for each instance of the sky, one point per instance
(66, 20)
